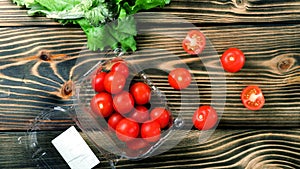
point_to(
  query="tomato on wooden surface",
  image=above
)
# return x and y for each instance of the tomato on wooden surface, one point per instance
(102, 104)
(194, 42)
(114, 82)
(160, 115)
(123, 102)
(253, 98)
(141, 93)
(127, 130)
(137, 143)
(120, 67)
(233, 60)
(151, 131)
(98, 82)
(140, 114)
(205, 117)
(179, 78)
(114, 119)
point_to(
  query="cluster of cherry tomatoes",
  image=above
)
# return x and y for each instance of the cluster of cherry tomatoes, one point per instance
(126, 111)
(232, 61)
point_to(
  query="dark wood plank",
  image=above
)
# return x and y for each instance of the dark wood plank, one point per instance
(196, 11)
(225, 148)
(29, 84)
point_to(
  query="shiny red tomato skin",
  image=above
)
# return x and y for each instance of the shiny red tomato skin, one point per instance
(160, 115)
(123, 102)
(252, 98)
(151, 131)
(137, 143)
(114, 82)
(179, 78)
(205, 118)
(140, 114)
(194, 42)
(98, 82)
(233, 60)
(114, 119)
(141, 93)
(102, 104)
(120, 67)
(127, 130)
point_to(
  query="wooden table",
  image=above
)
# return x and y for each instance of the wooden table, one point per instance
(268, 32)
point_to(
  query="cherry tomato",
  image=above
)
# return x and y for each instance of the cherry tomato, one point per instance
(114, 119)
(123, 102)
(253, 98)
(150, 131)
(98, 82)
(194, 42)
(140, 114)
(179, 78)
(137, 143)
(205, 117)
(160, 115)
(127, 130)
(141, 93)
(233, 60)
(114, 82)
(102, 104)
(120, 67)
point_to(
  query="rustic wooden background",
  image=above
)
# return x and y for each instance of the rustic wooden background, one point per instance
(267, 31)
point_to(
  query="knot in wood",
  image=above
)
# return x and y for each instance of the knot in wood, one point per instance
(67, 89)
(44, 55)
(285, 64)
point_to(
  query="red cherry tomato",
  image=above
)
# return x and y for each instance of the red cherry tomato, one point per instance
(137, 144)
(140, 114)
(179, 78)
(194, 42)
(141, 93)
(123, 102)
(102, 104)
(253, 98)
(233, 60)
(127, 130)
(160, 115)
(150, 131)
(114, 119)
(114, 82)
(120, 67)
(98, 82)
(205, 117)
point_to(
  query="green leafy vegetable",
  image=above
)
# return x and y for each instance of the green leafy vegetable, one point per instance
(106, 23)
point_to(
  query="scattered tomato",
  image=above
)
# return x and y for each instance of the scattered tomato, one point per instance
(151, 131)
(194, 42)
(137, 144)
(120, 67)
(179, 78)
(253, 98)
(233, 60)
(140, 114)
(123, 102)
(160, 115)
(98, 82)
(141, 93)
(205, 117)
(114, 82)
(127, 130)
(102, 104)
(114, 119)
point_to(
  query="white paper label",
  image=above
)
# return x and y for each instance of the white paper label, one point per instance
(75, 150)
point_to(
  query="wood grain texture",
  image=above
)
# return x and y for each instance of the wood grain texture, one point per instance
(196, 11)
(247, 149)
(28, 84)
